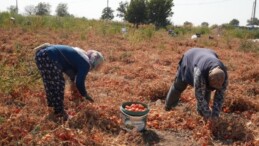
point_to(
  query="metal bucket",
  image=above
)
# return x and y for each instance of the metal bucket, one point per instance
(133, 122)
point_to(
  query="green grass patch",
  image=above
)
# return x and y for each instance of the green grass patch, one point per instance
(249, 46)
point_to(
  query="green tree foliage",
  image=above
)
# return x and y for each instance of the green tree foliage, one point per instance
(62, 10)
(13, 9)
(187, 24)
(146, 11)
(254, 21)
(159, 11)
(122, 10)
(205, 24)
(30, 10)
(107, 14)
(136, 12)
(234, 22)
(42, 9)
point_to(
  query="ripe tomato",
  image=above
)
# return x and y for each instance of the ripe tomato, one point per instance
(135, 107)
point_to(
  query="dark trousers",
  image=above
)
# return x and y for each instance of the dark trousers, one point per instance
(175, 91)
(53, 80)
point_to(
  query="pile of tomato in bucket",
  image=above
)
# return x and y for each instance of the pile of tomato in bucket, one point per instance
(134, 115)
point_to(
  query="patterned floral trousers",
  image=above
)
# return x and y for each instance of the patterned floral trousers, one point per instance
(54, 82)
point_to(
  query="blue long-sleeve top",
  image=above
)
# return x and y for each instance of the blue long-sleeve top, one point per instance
(194, 69)
(71, 62)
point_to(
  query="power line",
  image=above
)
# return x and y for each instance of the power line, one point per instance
(202, 3)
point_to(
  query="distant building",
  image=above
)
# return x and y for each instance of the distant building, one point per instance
(250, 27)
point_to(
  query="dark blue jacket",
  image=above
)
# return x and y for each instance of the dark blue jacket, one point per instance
(204, 59)
(71, 63)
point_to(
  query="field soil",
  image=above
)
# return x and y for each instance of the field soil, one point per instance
(134, 70)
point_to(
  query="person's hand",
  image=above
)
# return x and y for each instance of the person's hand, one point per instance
(74, 90)
(211, 121)
(205, 119)
(89, 98)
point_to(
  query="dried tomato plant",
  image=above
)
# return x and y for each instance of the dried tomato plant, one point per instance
(133, 71)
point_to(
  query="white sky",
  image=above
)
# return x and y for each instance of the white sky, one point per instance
(194, 11)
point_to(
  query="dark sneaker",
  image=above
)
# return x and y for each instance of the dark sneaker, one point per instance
(175, 103)
(167, 108)
(63, 116)
(58, 117)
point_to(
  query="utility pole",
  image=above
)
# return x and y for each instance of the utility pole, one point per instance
(255, 8)
(17, 6)
(253, 11)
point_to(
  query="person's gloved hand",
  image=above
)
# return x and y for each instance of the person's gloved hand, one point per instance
(211, 121)
(89, 98)
(206, 115)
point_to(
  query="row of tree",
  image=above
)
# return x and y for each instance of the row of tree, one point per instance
(233, 22)
(155, 12)
(254, 21)
(43, 9)
(137, 12)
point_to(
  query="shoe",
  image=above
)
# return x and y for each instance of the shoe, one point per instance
(167, 108)
(58, 117)
(63, 116)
